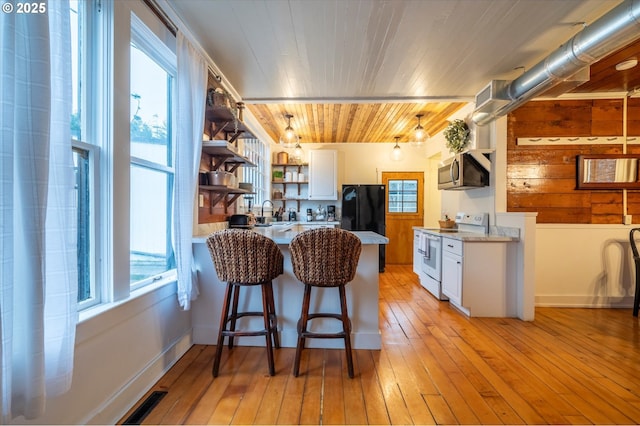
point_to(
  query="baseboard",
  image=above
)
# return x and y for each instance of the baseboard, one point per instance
(584, 301)
(116, 407)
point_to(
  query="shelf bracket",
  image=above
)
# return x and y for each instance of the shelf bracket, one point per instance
(232, 199)
(235, 136)
(218, 161)
(215, 200)
(218, 127)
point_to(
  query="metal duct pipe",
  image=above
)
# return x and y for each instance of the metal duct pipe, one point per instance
(612, 31)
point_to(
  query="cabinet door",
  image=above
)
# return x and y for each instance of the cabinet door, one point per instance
(323, 174)
(452, 277)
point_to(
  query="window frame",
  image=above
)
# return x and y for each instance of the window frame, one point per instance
(93, 95)
(93, 158)
(150, 44)
(402, 192)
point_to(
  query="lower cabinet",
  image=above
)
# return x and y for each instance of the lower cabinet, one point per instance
(478, 278)
(452, 270)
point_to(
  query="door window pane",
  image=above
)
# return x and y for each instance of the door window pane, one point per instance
(403, 196)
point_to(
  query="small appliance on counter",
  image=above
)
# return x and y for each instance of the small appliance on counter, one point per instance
(320, 213)
(241, 221)
(331, 213)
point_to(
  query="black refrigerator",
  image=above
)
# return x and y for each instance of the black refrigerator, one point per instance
(363, 209)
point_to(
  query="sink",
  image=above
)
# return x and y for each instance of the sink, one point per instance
(262, 225)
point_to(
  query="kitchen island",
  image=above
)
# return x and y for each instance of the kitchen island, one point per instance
(362, 296)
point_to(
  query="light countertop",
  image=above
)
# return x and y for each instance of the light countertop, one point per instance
(284, 233)
(496, 234)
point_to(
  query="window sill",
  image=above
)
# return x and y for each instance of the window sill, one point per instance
(95, 311)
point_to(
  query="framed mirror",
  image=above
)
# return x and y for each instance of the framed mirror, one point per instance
(608, 171)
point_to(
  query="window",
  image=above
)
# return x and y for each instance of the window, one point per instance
(85, 149)
(257, 152)
(152, 73)
(123, 157)
(403, 196)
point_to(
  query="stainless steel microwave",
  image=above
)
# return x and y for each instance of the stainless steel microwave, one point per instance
(463, 171)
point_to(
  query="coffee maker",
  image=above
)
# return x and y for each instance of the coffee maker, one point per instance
(331, 213)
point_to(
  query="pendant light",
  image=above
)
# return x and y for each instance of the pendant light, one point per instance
(298, 152)
(396, 153)
(420, 135)
(289, 139)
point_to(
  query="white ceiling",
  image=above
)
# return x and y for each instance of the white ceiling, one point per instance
(357, 50)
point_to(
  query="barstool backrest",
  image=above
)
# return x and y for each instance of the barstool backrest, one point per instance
(325, 257)
(244, 256)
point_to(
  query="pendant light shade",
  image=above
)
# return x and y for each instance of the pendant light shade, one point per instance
(289, 139)
(298, 152)
(396, 153)
(420, 135)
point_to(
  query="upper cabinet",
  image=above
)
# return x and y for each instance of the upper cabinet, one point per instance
(323, 174)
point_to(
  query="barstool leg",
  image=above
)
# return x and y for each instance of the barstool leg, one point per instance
(273, 318)
(302, 328)
(223, 323)
(267, 328)
(346, 327)
(234, 312)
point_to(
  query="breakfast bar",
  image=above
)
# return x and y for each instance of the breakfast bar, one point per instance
(362, 295)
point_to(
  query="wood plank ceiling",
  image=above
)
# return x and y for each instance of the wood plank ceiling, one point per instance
(362, 122)
(360, 70)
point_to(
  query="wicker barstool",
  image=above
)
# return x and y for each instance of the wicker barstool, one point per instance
(324, 257)
(245, 258)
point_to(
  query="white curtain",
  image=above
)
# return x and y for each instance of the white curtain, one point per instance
(192, 87)
(38, 260)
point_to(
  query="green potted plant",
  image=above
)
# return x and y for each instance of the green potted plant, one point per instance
(457, 135)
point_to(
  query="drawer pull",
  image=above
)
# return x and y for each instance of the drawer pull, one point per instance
(449, 245)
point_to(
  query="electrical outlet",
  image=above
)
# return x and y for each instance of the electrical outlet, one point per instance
(627, 219)
(200, 200)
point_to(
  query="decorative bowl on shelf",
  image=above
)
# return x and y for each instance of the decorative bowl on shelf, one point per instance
(447, 224)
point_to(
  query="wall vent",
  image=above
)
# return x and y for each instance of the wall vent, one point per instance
(145, 408)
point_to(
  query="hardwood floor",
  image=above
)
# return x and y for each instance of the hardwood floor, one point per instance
(569, 366)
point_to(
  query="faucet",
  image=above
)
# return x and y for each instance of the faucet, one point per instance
(262, 210)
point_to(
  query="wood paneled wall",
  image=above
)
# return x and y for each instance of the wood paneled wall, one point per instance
(543, 178)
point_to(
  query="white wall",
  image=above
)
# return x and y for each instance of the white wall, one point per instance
(584, 265)
(119, 354)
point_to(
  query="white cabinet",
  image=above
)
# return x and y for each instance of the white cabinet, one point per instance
(477, 278)
(323, 174)
(452, 270)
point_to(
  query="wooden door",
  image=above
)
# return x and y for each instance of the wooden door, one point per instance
(404, 210)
